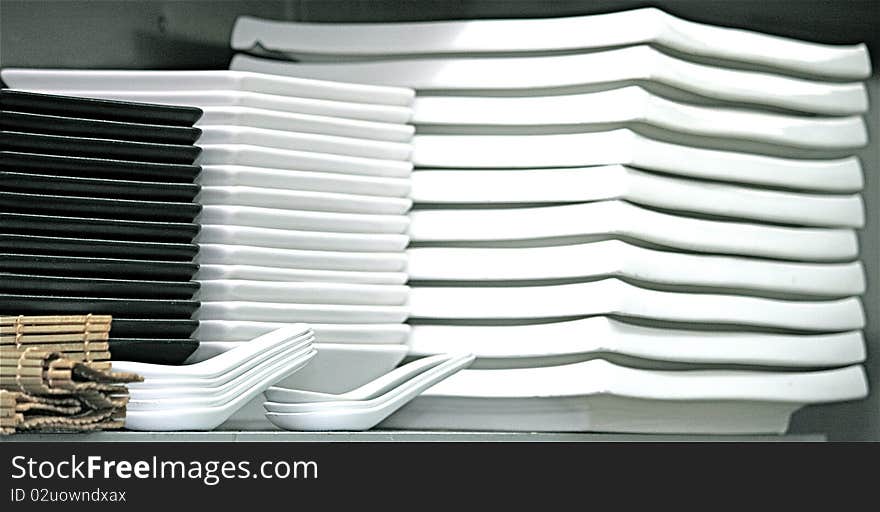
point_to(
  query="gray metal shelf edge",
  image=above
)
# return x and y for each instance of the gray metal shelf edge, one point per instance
(389, 436)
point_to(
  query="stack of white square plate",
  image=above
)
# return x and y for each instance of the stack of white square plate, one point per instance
(674, 201)
(304, 194)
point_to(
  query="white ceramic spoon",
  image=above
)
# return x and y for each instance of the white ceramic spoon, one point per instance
(307, 260)
(628, 148)
(288, 179)
(208, 418)
(617, 218)
(403, 390)
(635, 105)
(303, 293)
(516, 344)
(335, 369)
(362, 415)
(582, 184)
(641, 63)
(300, 141)
(368, 391)
(258, 273)
(175, 396)
(233, 98)
(219, 367)
(302, 200)
(159, 387)
(237, 330)
(646, 25)
(615, 297)
(291, 312)
(293, 239)
(259, 156)
(620, 259)
(278, 218)
(86, 79)
(599, 396)
(339, 368)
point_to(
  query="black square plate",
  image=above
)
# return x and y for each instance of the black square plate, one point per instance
(94, 187)
(109, 268)
(97, 167)
(52, 245)
(98, 148)
(162, 328)
(30, 284)
(109, 110)
(83, 227)
(130, 308)
(97, 129)
(155, 351)
(74, 206)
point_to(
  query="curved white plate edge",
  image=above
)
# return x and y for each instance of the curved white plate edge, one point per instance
(655, 26)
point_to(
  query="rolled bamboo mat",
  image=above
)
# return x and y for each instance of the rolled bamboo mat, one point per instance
(79, 337)
(55, 375)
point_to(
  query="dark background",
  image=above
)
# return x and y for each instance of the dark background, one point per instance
(194, 34)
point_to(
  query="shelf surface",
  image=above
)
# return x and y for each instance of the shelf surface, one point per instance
(392, 436)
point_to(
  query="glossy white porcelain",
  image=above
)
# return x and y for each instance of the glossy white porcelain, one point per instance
(599, 396)
(294, 239)
(249, 417)
(615, 297)
(218, 254)
(262, 115)
(302, 292)
(347, 413)
(368, 391)
(91, 79)
(302, 141)
(291, 335)
(620, 259)
(524, 345)
(625, 147)
(293, 312)
(239, 330)
(611, 219)
(234, 98)
(343, 367)
(154, 389)
(260, 273)
(266, 197)
(305, 123)
(176, 397)
(259, 156)
(289, 179)
(639, 63)
(336, 369)
(635, 105)
(278, 218)
(646, 25)
(360, 415)
(583, 184)
(203, 395)
(209, 417)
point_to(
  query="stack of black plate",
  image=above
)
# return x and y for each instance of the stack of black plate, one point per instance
(97, 216)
